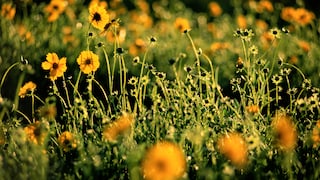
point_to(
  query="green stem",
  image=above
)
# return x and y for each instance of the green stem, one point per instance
(6, 73)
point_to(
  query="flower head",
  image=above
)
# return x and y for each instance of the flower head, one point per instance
(56, 66)
(182, 24)
(215, 9)
(98, 16)
(67, 141)
(36, 132)
(118, 127)
(285, 132)
(164, 160)
(26, 88)
(88, 62)
(8, 11)
(55, 8)
(234, 148)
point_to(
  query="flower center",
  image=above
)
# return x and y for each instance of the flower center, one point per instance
(161, 166)
(96, 17)
(87, 61)
(55, 66)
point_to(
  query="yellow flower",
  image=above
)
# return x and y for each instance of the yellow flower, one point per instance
(36, 133)
(57, 67)
(139, 46)
(88, 62)
(264, 5)
(215, 9)
(164, 160)
(118, 127)
(242, 21)
(67, 141)
(285, 132)
(304, 45)
(26, 88)
(55, 8)
(8, 11)
(219, 46)
(298, 16)
(98, 16)
(252, 109)
(316, 135)
(234, 148)
(181, 24)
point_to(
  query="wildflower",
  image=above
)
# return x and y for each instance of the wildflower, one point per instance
(145, 80)
(285, 132)
(26, 88)
(276, 79)
(305, 46)
(261, 24)
(54, 9)
(88, 61)
(133, 81)
(219, 46)
(306, 84)
(8, 11)
(253, 50)
(242, 21)
(118, 127)
(234, 148)
(98, 16)
(164, 160)
(161, 75)
(36, 132)
(48, 112)
(239, 64)
(316, 135)
(57, 67)
(182, 24)
(215, 9)
(252, 109)
(299, 16)
(136, 60)
(246, 34)
(285, 71)
(103, 4)
(67, 141)
(276, 33)
(25, 34)
(264, 5)
(139, 46)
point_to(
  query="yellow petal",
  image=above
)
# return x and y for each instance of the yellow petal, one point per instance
(46, 65)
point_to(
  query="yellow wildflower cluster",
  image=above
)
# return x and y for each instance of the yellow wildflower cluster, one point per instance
(298, 16)
(8, 11)
(316, 135)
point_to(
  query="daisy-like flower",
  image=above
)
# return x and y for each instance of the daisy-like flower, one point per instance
(285, 132)
(55, 8)
(67, 141)
(234, 148)
(98, 16)
(164, 160)
(48, 112)
(118, 127)
(215, 9)
(88, 62)
(182, 24)
(26, 88)
(36, 132)
(55, 65)
(8, 11)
